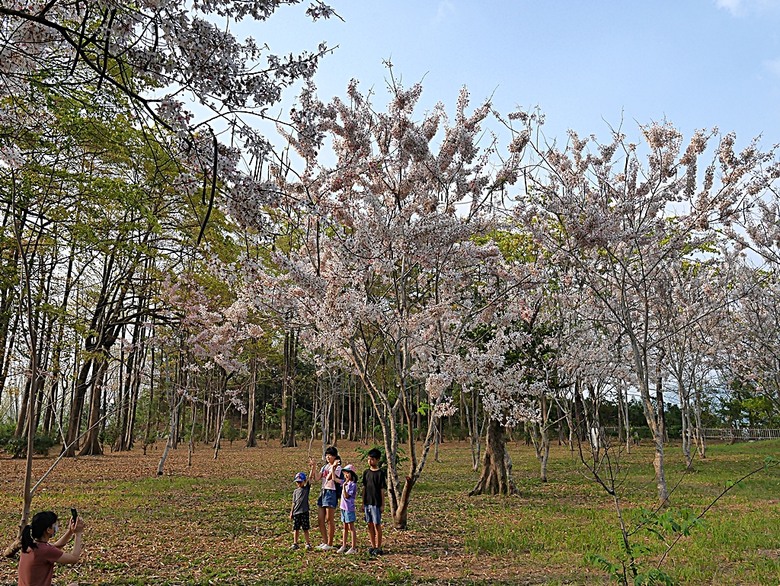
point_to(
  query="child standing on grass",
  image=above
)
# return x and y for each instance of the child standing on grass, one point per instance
(348, 515)
(374, 486)
(331, 476)
(299, 513)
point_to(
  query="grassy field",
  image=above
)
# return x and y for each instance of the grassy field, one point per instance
(225, 521)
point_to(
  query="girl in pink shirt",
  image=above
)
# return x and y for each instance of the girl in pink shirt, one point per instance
(331, 476)
(36, 564)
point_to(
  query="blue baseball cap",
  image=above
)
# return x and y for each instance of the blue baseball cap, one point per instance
(300, 477)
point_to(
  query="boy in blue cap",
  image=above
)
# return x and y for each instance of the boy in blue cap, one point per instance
(299, 512)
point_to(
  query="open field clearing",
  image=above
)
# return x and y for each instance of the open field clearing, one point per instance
(225, 521)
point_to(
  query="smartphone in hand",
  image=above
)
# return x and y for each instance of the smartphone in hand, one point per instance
(74, 514)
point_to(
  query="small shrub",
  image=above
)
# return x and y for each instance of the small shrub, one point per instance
(17, 446)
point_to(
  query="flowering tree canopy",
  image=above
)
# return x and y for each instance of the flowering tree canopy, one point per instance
(622, 229)
(157, 55)
(386, 270)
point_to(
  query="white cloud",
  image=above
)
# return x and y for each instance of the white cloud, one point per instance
(733, 6)
(445, 8)
(773, 66)
(741, 7)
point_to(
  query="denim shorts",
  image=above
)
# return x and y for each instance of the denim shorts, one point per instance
(328, 499)
(373, 514)
(348, 516)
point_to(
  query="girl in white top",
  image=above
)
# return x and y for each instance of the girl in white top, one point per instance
(331, 476)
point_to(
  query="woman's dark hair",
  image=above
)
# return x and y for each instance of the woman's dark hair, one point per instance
(331, 450)
(40, 523)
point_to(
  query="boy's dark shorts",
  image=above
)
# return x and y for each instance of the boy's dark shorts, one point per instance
(301, 521)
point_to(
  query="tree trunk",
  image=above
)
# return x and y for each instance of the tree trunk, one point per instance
(475, 433)
(544, 440)
(288, 389)
(8, 342)
(656, 424)
(497, 465)
(92, 445)
(701, 444)
(172, 432)
(150, 410)
(251, 422)
(222, 413)
(123, 403)
(686, 431)
(136, 391)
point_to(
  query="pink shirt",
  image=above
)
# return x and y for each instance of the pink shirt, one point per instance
(329, 484)
(36, 567)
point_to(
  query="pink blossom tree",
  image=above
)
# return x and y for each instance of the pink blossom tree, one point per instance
(694, 306)
(382, 273)
(752, 354)
(623, 226)
(212, 333)
(749, 358)
(509, 366)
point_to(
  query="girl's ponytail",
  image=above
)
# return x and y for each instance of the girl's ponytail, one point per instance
(35, 530)
(27, 538)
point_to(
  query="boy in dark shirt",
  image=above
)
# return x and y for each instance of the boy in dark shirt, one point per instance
(374, 486)
(299, 513)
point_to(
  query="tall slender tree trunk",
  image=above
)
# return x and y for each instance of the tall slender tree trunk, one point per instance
(172, 433)
(8, 343)
(656, 423)
(701, 444)
(31, 385)
(544, 439)
(150, 409)
(251, 422)
(686, 431)
(288, 389)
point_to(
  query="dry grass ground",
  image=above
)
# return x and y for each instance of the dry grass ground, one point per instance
(225, 521)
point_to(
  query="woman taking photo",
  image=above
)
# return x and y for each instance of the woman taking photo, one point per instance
(36, 564)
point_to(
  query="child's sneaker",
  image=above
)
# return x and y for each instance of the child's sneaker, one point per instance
(371, 551)
(308, 547)
(323, 547)
(295, 546)
(342, 549)
(326, 547)
(379, 551)
(351, 551)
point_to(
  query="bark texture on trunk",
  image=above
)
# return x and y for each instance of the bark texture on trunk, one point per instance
(496, 475)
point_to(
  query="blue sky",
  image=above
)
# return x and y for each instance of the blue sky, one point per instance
(587, 64)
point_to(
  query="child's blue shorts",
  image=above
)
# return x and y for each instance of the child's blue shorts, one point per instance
(348, 516)
(373, 514)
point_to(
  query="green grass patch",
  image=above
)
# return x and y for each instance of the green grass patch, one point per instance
(225, 521)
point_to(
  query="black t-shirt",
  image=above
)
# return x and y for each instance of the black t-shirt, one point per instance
(374, 482)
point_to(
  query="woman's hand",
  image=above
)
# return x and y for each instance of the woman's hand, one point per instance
(76, 526)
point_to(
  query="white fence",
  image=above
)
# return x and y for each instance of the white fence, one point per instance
(727, 434)
(741, 434)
